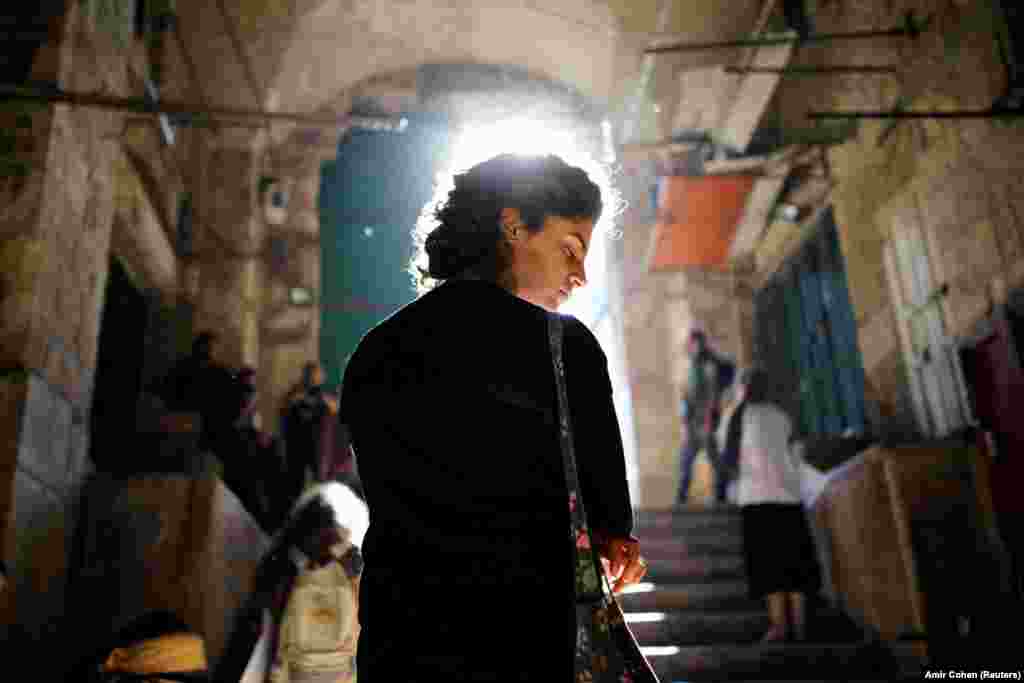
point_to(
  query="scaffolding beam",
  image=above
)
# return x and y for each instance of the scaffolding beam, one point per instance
(911, 28)
(139, 105)
(952, 114)
(812, 70)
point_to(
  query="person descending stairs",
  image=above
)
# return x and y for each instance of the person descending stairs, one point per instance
(695, 621)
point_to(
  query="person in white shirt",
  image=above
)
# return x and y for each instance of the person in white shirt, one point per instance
(779, 553)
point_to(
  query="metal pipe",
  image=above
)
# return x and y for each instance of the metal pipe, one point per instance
(910, 29)
(960, 114)
(140, 105)
(810, 70)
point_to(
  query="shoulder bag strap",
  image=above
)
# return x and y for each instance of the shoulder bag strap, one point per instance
(579, 515)
(578, 512)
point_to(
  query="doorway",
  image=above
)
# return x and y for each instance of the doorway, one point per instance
(370, 199)
(118, 372)
(994, 375)
(806, 334)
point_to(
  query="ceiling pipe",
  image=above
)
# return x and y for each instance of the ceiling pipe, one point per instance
(139, 105)
(910, 29)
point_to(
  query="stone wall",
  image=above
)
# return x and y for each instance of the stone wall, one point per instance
(55, 225)
(88, 170)
(290, 335)
(957, 181)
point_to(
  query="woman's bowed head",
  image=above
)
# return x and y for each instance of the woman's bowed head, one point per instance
(523, 222)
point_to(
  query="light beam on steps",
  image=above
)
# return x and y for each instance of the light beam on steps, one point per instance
(644, 617)
(642, 587)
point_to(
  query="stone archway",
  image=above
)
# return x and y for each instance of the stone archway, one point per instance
(339, 44)
(329, 56)
(463, 93)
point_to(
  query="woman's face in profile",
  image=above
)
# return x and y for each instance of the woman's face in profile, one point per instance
(546, 266)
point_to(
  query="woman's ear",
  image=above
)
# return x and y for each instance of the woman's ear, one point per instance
(510, 223)
(116, 659)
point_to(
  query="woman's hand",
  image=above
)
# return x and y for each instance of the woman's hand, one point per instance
(332, 404)
(624, 560)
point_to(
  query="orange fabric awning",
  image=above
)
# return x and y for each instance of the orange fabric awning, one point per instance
(697, 219)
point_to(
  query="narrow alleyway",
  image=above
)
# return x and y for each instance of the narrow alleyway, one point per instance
(697, 623)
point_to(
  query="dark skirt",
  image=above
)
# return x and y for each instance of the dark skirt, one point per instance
(778, 550)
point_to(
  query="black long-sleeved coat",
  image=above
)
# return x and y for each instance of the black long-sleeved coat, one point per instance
(469, 566)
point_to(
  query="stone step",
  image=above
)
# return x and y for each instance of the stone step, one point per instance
(691, 512)
(688, 524)
(689, 546)
(650, 596)
(698, 627)
(702, 568)
(786, 661)
(744, 625)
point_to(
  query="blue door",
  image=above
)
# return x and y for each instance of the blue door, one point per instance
(370, 199)
(805, 333)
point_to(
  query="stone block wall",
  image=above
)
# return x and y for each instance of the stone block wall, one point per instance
(51, 464)
(229, 240)
(290, 335)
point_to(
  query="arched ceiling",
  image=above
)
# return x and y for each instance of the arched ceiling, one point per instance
(305, 56)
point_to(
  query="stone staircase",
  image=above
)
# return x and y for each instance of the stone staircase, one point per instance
(695, 621)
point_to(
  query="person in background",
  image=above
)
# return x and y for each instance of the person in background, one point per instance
(200, 383)
(185, 385)
(247, 396)
(309, 428)
(699, 411)
(779, 552)
(259, 445)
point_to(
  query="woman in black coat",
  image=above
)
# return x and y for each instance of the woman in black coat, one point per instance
(451, 403)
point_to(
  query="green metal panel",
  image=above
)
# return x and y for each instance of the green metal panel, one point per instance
(817, 355)
(370, 198)
(847, 359)
(799, 341)
(820, 323)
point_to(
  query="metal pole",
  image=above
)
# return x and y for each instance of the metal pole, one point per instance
(140, 105)
(909, 29)
(811, 70)
(960, 114)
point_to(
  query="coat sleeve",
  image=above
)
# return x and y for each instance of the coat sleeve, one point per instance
(598, 443)
(373, 385)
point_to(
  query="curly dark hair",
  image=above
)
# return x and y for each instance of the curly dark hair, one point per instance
(468, 237)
